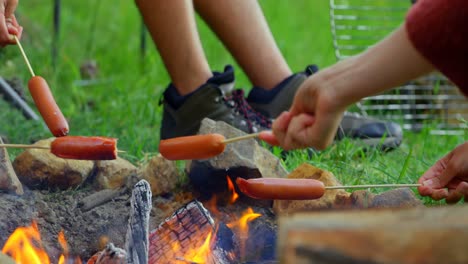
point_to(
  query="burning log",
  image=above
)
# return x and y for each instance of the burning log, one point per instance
(178, 232)
(185, 237)
(138, 226)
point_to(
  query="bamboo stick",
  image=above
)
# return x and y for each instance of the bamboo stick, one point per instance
(373, 186)
(235, 139)
(25, 146)
(24, 56)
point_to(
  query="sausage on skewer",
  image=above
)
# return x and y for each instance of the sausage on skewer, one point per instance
(47, 106)
(192, 147)
(281, 189)
(84, 148)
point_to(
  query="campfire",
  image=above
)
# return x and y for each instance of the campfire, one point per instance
(114, 212)
(198, 233)
(198, 222)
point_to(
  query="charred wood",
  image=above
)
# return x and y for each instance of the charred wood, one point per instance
(138, 227)
(182, 234)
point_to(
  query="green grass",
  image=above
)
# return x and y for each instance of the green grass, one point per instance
(124, 103)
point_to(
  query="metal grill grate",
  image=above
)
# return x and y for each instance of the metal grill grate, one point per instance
(431, 100)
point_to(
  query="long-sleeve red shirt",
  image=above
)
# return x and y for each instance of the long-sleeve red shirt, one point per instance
(438, 29)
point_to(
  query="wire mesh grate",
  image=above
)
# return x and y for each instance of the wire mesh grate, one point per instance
(428, 101)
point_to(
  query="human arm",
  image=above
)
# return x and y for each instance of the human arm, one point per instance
(448, 177)
(321, 100)
(8, 24)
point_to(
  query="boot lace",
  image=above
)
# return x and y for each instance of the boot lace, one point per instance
(253, 118)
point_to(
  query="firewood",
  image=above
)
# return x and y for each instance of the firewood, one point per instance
(138, 226)
(99, 198)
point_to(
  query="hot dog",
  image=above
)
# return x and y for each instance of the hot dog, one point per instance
(84, 148)
(281, 189)
(192, 147)
(47, 106)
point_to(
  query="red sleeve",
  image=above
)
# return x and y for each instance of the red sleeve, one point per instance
(439, 31)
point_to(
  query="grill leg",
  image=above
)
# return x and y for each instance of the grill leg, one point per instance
(55, 38)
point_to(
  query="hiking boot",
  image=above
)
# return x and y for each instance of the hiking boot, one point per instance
(283, 94)
(209, 101)
(372, 132)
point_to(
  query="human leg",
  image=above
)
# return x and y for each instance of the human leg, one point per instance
(173, 29)
(195, 92)
(244, 31)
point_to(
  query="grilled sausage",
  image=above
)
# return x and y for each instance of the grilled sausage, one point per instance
(84, 148)
(47, 106)
(192, 147)
(281, 189)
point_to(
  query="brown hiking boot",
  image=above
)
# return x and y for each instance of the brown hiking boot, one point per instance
(209, 101)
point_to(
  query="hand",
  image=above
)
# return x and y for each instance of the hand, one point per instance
(321, 100)
(8, 24)
(312, 120)
(448, 178)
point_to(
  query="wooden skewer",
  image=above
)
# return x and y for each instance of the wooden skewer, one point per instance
(372, 186)
(24, 56)
(235, 139)
(24, 146)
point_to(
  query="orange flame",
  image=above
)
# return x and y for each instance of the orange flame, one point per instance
(241, 227)
(201, 255)
(65, 258)
(234, 195)
(25, 247)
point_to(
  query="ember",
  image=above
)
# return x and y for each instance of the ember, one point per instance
(25, 247)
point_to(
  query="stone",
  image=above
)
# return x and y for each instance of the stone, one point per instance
(401, 197)
(113, 174)
(162, 174)
(396, 198)
(327, 201)
(8, 179)
(246, 158)
(40, 169)
(362, 199)
(385, 235)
